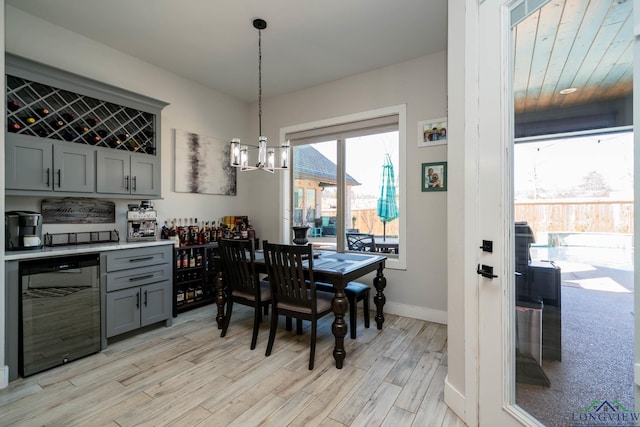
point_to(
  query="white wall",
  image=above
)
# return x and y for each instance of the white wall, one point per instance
(421, 84)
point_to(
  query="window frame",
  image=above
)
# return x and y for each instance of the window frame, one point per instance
(286, 179)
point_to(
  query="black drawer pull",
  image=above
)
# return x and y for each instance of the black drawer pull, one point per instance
(135, 279)
(141, 259)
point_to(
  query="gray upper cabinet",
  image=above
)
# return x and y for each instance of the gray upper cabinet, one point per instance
(42, 165)
(127, 173)
(70, 134)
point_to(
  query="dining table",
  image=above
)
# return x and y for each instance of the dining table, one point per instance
(338, 269)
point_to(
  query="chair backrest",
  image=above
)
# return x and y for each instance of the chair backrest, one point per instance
(238, 265)
(361, 242)
(290, 283)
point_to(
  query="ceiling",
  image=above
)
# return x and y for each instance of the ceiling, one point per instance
(214, 42)
(586, 44)
(582, 44)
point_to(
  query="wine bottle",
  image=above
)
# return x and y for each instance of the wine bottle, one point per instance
(57, 124)
(69, 135)
(82, 129)
(41, 132)
(192, 259)
(68, 117)
(28, 120)
(92, 121)
(103, 133)
(13, 105)
(14, 126)
(42, 112)
(92, 138)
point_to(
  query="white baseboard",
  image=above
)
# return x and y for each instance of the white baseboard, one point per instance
(414, 312)
(454, 399)
(4, 380)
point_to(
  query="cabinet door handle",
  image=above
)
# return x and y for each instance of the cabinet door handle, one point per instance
(134, 184)
(135, 279)
(126, 182)
(59, 178)
(48, 177)
(137, 299)
(147, 258)
(145, 298)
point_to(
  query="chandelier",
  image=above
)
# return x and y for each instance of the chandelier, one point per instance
(266, 155)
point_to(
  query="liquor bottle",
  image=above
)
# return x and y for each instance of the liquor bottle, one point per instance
(13, 105)
(192, 259)
(178, 260)
(198, 293)
(42, 112)
(185, 259)
(199, 258)
(180, 297)
(190, 295)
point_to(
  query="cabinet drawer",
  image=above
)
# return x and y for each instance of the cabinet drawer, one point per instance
(138, 276)
(139, 257)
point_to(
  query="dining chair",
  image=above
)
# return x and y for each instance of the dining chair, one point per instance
(355, 291)
(361, 242)
(293, 290)
(242, 282)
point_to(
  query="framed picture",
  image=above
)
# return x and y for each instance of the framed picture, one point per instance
(434, 176)
(202, 165)
(432, 132)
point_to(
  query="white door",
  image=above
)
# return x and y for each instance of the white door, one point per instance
(496, 369)
(496, 373)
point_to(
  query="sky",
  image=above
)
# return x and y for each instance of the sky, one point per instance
(562, 163)
(365, 158)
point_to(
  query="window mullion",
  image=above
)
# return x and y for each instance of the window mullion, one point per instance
(341, 195)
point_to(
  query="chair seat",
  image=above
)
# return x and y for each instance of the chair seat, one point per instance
(323, 304)
(265, 293)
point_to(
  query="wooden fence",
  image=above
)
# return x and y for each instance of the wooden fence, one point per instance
(606, 216)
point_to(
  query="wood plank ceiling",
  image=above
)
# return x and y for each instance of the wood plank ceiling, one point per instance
(581, 44)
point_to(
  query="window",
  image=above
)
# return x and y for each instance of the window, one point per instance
(337, 176)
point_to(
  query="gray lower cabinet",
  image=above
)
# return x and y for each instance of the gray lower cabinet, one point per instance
(43, 165)
(134, 308)
(121, 172)
(139, 288)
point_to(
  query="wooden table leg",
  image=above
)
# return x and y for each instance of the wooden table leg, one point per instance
(379, 282)
(339, 328)
(220, 300)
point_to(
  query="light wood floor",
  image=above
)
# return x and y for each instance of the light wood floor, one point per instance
(187, 375)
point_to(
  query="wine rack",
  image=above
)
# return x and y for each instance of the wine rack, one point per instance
(194, 284)
(44, 111)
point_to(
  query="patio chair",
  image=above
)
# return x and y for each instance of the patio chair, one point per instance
(361, 242)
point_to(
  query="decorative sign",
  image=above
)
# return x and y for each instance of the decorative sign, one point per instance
(78, 211)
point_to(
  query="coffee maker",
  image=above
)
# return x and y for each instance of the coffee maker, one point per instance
(22, 230)
(142, 222)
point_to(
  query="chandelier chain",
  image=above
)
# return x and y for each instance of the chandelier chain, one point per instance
(259, 82)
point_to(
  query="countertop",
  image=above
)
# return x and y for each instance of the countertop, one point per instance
(46, 252)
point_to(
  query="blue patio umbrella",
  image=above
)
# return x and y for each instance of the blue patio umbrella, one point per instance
(387, 205)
